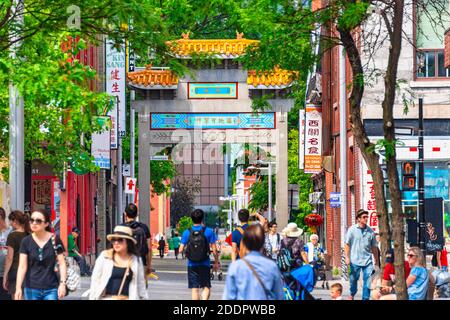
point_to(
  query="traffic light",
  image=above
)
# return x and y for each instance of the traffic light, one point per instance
(409, 168)
(408, 183)
(409, 176)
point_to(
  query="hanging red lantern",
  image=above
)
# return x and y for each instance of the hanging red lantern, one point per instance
(313, 220)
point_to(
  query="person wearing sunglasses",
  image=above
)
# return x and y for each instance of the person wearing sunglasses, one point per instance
(360, 245)
(39, 253)
(119, 272)
(418, 280)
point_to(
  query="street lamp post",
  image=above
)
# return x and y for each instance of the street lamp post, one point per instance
(230, 210)
(421, 184)
(269, 213)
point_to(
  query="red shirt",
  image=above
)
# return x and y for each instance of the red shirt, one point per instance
(444, 262)
(389, 270)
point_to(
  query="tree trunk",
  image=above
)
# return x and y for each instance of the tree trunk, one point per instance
(390, 85)
(363, 141)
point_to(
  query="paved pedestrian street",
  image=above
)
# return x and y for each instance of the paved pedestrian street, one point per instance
(172, 283)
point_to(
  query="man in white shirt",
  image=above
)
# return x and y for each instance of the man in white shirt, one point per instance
(273, 241)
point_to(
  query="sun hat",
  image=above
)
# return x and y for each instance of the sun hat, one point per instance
(292, 230)
(122, 232)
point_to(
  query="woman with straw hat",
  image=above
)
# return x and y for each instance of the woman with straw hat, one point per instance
(293, 242)
(118, 272)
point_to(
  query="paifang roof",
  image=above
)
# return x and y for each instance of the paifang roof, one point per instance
(225, 48)
(220, 48)
(167, 79)
(277, 78)
(145, 79)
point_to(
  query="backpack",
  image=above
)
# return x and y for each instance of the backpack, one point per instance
(285, 260)
(140, 236)
(197, 248)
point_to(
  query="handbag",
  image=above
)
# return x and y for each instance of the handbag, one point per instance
(125, 275)
(73, 273)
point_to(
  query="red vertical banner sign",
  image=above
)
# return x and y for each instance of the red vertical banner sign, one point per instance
(313, 139)
(369, 198)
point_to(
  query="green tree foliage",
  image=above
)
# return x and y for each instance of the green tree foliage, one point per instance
(87, 18)
(259, 193)
(183, 224)
(298, 177)
(223, 215)
(59, 106)
(211, 218)
(161, 171)
(182, 200)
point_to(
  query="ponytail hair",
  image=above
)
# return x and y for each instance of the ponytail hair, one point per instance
(21, 218)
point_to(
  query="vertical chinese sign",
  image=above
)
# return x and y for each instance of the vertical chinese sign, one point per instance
(369, 198)
(301, 140)
(115, 86)
(313, 139)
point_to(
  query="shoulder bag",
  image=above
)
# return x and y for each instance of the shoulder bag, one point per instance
(266, 292)
(119, 296)
(73, 276)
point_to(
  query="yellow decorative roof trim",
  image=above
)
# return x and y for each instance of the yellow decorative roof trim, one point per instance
(225, 48)
(153, 77)
(276, 78)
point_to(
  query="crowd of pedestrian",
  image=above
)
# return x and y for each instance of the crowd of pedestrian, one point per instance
(266, 264)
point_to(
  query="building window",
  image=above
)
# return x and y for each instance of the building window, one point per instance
(430, 64)
(432, 20)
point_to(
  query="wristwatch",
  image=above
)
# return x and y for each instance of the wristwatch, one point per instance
(62, 282)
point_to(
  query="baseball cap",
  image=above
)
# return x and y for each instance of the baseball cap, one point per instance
(75, 229)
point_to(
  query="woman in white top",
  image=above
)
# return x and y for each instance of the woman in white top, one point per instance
(118, 272)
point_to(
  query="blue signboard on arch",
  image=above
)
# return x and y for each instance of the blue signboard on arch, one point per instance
(173, 121)
(212, 90)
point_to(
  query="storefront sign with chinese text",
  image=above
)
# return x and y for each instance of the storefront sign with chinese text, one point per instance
(115, 86)
(369, 199)
(212, 90)
(172, 121)
(313, 139)
(301, 140)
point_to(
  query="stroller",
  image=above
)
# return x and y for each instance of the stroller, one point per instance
(218, 273)
(320, 271)
(299, 283)
(442, 283)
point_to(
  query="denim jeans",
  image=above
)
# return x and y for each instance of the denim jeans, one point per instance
(84, 269)
(41, 294)
(354, 277)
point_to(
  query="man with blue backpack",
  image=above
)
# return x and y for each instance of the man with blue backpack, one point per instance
(196, 243)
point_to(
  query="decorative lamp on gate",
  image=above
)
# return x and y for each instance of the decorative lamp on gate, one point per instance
(313, 220)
